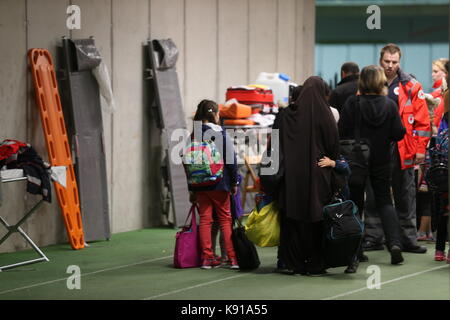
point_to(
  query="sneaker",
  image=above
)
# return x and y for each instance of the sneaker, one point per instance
(234, 264)
(396, 255)
(363, 258)
(218, 258)
(422, 236)
(416, 249)
(352, 267)
(439, 256)
(210, 263)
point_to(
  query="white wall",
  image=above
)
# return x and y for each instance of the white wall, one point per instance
(221, 43)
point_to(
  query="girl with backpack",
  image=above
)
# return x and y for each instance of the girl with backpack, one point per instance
(212, 182)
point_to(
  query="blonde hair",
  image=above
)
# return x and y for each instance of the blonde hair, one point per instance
(372, 80)
(440, 63)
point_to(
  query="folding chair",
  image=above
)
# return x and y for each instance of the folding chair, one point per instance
(14, 175)
(250, 188)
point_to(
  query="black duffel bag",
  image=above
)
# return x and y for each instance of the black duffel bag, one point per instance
(357, 153)
(343, 232)
(246, 254)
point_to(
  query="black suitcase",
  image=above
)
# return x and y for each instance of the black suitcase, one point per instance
(343, 233)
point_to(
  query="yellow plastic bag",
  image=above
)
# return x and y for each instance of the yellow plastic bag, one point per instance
(263, 227)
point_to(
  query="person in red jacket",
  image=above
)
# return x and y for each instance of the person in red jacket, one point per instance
(409, 97)
(438, 75)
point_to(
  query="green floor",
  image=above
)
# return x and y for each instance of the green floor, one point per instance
(138, 265)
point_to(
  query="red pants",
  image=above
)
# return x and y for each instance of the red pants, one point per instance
(220, 202)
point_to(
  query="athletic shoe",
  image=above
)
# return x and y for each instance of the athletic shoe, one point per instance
(363, 258)
(352, 267)
(218, 259)
(422, 236)
(210, 263)
(234, 264)
(416, 249)
(396, 255)
(439, 255)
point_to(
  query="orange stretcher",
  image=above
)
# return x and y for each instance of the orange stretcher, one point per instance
(235, 111)
(49, 103)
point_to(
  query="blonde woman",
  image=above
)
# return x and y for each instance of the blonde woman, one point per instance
(439, 74)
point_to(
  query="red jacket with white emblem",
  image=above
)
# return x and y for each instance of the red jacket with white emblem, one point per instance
(415, 118)
(439, 111)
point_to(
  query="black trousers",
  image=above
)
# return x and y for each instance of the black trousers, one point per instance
(442, 220)
(380, 180)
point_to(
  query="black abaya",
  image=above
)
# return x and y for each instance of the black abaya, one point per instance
(308, 132)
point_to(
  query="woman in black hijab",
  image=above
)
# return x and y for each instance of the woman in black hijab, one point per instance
(308, 132)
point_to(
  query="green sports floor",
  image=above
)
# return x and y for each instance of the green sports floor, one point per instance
(137, 265)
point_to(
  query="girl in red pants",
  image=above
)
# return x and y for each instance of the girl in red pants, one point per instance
(215, 197)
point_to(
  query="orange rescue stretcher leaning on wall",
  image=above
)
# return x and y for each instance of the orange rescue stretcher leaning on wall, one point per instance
(49, 103)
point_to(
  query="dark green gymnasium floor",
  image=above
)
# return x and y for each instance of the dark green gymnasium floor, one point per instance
(138, 265)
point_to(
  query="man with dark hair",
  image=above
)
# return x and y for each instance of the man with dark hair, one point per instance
(346, 87)
(407, 93)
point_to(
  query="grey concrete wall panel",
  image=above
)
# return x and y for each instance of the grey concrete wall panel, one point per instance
(305, 39)
(13, 102)
(130, 201)
(262, 37)
(286, 54)
(167, 99)
(201, 51)
(81, 102)
(232, 50)
(46, 24)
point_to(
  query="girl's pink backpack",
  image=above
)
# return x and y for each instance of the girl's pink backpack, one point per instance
(187, 244)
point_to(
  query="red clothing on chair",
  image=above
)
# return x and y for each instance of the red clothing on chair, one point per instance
(10, 147)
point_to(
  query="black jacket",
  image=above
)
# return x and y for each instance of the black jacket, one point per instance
(380, 125)
(346, 88)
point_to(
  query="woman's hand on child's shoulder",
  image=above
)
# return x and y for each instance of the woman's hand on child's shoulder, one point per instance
(326, 162)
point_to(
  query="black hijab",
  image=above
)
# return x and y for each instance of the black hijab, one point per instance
(308, 132)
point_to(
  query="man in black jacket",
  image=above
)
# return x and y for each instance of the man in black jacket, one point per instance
(346, 87)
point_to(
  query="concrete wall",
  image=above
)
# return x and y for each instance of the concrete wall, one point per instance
(221, 43)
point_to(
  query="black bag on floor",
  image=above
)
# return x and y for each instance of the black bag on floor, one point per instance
(343, 232)
(246, 254)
